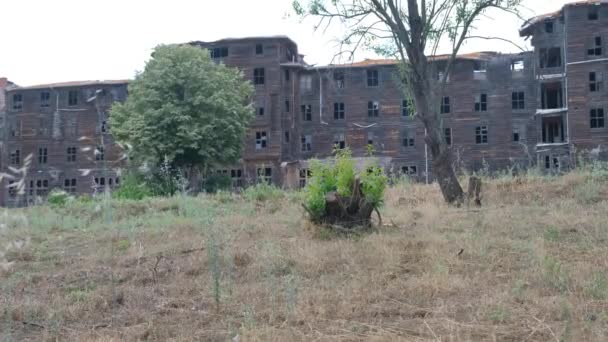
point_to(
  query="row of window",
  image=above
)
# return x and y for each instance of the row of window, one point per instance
(43, 155)
(45, 100)
(40, 187)
(593, 14)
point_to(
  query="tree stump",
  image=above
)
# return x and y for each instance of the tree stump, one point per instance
(474, 193)
(347, 211)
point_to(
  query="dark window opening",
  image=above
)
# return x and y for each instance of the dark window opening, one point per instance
(595, 81)
(515, 134)
(264, 175)
(481, 103)
(42, 187)
(235, 174)
(15, 157)
(306, 112)
(43, 155)
(261, 111)
(286, 136)
(447, 134)
(339, 79)
(445, 105)
(596, 48)
(306, 143)
(409, 170)
(260, 140)
(71, 154)
(259, 49)
(45, 99)
(481, 134)
(305, 174)
(597, 117)
(17, 101)
(287, 106)
(550, 57)
(69, 185)
(373, 108)
(258, 76)
(73, 98)
(553, 130)
(551, 95)
(100, 153)
(409, 139)
(372, 78)
(339, 111)
(370, 138)
(219, 52)
(405, 108)
(518, 100)
(286, 75)
(549, 26)
(594, 13)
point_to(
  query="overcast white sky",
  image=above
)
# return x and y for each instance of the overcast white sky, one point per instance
(66, 40)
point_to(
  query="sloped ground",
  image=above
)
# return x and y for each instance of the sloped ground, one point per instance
(531, 265)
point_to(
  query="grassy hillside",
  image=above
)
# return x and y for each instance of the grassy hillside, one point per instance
(531, 265)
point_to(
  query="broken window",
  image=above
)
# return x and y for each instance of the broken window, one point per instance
(73, 98)
(445, 105)
(518, 100)
(104, 127)
(409, 138)
(339, 141)
(339, 79)
(551, 95)
(15, 157)
(42, 187)
(552, 130)
(17, 102)
(43, 154)
(597, 117)
(306, 83)
(549, 26)
(45, 99)
(306, 112)
(286, 136)
(373, 108)
(481, 103)
(596, 47)
(405, 108)
(447, 135)
(517, 65)
(259, 49)
(287, 106)
(595, 81)
(15, 128)
(593, 13)
(12, 189)
(481, 134)
(261, 111)
(370, 138)
(219, 52)
(409, 170)
(372, 78)
(69, 185)
(99, 153)
(258, 76)
(306, 143)
(237, 178)
(339, 111)
(264, 175)
(516, 134)
(550, 57)
(286, 75)
(71, 154)
(260, 140)
(305, 174)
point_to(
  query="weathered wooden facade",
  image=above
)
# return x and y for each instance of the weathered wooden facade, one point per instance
(57, 136)
(499, 111)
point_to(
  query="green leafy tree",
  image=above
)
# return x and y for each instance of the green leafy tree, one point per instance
(411, 31)
(184, 108)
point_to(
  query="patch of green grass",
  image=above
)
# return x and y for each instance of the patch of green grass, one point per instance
(597, 287)
(551, 234)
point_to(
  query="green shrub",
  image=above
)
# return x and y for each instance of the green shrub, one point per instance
(216, 182)
(340, 178)
(133, 187)
(58, 198)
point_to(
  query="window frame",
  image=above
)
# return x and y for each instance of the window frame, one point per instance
(481, 134)
(339, 111)
(597, 118)
(372, 78)
(259, 76)
(261, 140)
(373, 109)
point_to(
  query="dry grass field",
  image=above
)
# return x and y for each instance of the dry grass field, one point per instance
(530, 265)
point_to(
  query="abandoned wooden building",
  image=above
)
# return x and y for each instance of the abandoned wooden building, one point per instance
(541, 108)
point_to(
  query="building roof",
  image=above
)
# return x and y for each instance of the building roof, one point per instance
(71, 84)
(526, 28)
(242, 39)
